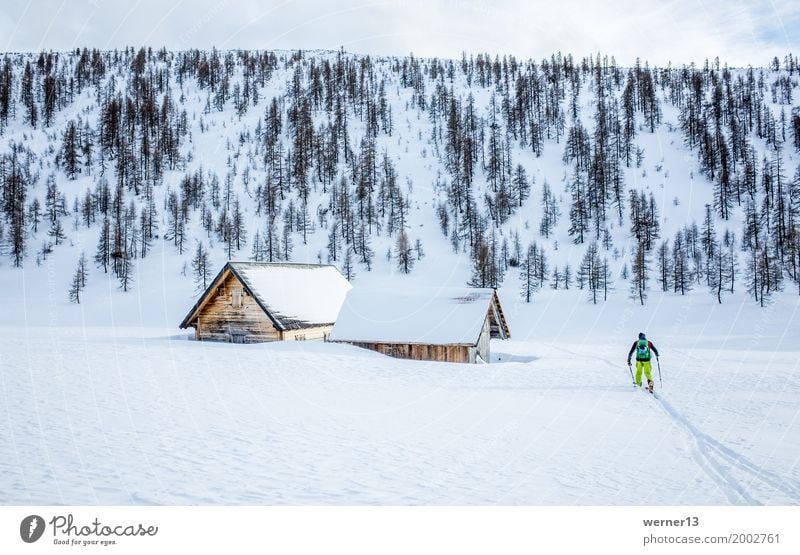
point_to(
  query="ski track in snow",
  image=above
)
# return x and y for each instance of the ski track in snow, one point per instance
(716, 459)
(713, 456)
(733, 490)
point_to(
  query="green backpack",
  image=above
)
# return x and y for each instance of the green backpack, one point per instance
(643, 350)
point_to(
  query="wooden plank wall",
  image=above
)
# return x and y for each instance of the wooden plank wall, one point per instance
(219, 319)
(497, 319)
(307, 334)
(441, 353)
(483, 341)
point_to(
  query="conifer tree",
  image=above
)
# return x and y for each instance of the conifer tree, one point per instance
(348, 266)
(639, 274)
(403, 253)
(527, 274)
(201, 269)
(78, 280)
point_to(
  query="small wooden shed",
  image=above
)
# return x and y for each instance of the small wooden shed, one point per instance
(443, 324)
(252, 302)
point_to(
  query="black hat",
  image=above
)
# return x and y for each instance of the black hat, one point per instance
(641, 335)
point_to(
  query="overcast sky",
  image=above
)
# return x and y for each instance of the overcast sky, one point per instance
(740, 32)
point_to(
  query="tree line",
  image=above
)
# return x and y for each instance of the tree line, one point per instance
(313, 162)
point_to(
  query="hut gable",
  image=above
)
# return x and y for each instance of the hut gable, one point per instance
(268, 301)
(439, 324)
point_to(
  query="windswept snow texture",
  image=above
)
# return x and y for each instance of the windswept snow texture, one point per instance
(443, 316)
(102, 417)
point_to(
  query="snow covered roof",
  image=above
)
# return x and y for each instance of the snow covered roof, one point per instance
(433, 316)
(293, 295)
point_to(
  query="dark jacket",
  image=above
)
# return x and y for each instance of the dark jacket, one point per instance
(633, 349)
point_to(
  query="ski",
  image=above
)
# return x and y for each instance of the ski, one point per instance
(646, 390)
(652, 394)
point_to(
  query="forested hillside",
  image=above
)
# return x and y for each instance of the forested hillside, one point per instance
(563, 173)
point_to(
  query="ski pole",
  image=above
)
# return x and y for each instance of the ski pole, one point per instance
(631, 371)
(658, 360)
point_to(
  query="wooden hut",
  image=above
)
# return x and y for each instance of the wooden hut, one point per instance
(450, 325)
(251, 302)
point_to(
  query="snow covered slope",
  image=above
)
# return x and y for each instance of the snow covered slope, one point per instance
(122, 417)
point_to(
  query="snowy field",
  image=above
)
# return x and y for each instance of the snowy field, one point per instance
(143, 416)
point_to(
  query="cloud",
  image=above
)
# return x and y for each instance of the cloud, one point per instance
(738, 31)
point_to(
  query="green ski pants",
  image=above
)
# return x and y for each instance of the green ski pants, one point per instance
(643, 365)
